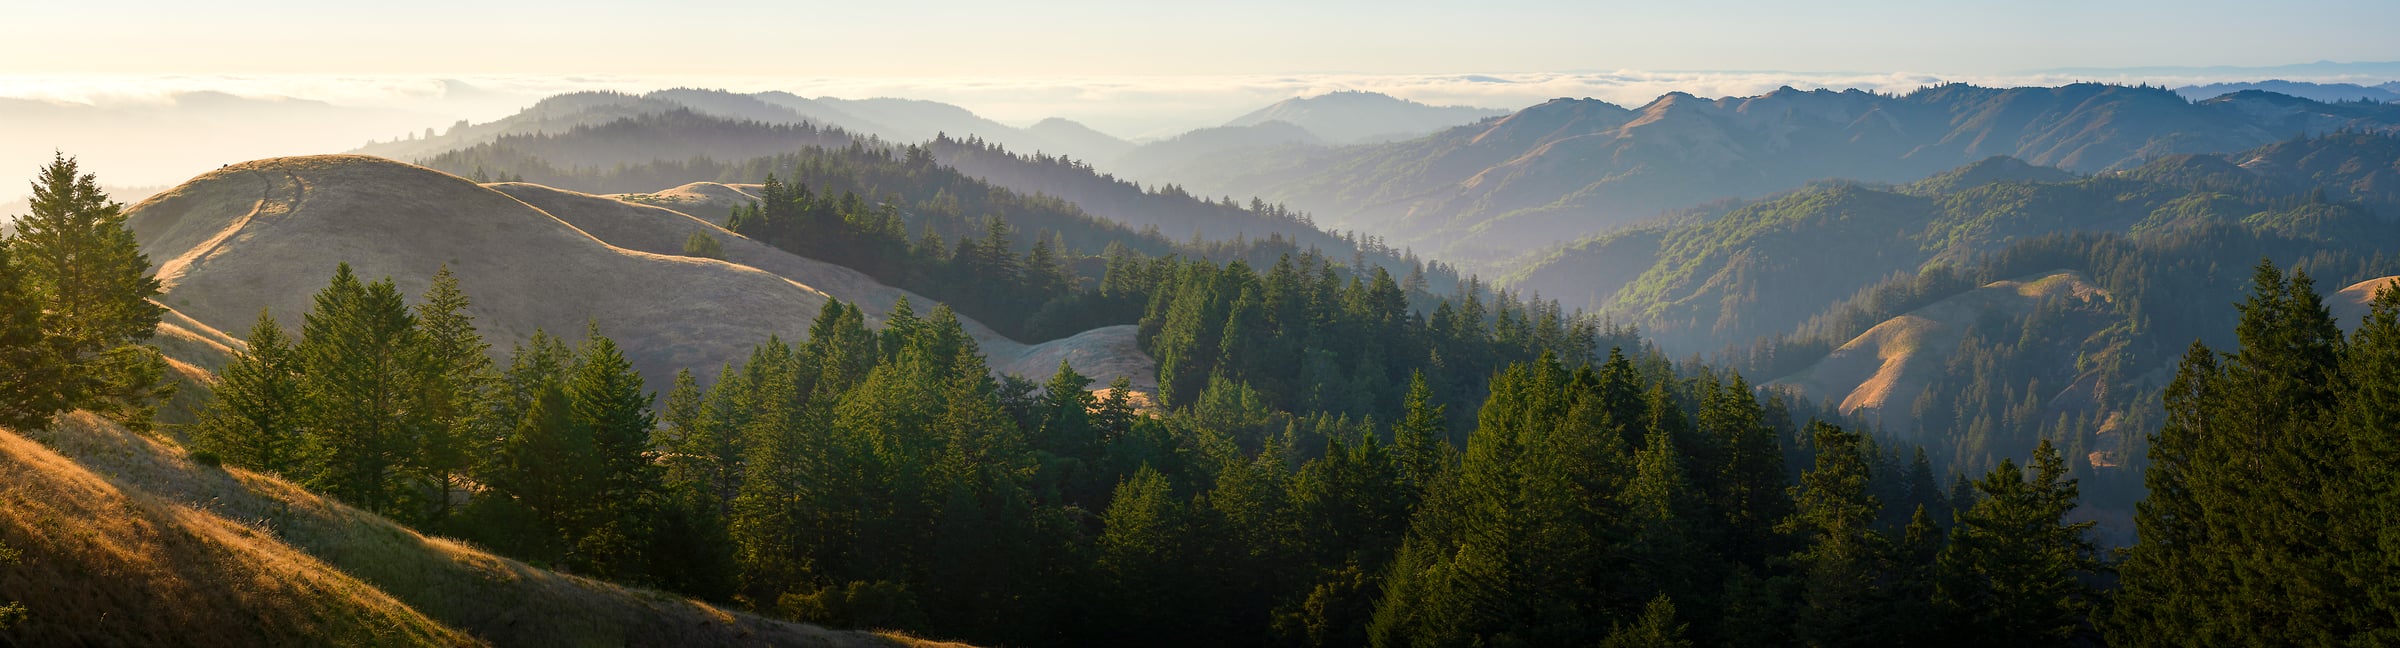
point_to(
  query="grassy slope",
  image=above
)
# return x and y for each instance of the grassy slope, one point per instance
(2349, 306)
(129, 542)
(268, 233)
(1882, 371)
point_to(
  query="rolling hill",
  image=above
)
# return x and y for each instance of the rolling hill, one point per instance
(1880, 374)
(267, 234)
(2349, 306)
(132, 542)
(1041, 192)
(1570, 168)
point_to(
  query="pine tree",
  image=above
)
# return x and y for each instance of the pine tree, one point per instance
(2370, 418)
(2013, 573)
(551, 468)
(32, 379)
(1667, 554)
(81, 263)
(1142, 560)
(1842, 559)
(780, 462)
(611, 410)
(1116, 415)
(1421, 439)
(1516, 547)
(454, 378)
(1750, 476)
(356, 355)
(257, 415)
(1656, 628)
(1066, 416)
(2226, 557)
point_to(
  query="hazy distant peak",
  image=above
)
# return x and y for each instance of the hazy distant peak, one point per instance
(2327, 92)
(1352, 116)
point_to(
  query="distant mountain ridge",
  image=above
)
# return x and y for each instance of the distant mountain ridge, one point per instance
(1573, 167)
(1353, 117)
(2327, 92)
(893, 120)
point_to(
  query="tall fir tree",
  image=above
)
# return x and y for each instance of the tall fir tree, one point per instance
(92, 280)
(2015, 569)
(357, 356)
(1421, 438)
(33, 383)
(257, 415)
(455, 378)
(613, 413)
(1841, 562)
(2370, 420)
(2225, 557)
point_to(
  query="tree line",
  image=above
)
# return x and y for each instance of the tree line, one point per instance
(885, 478)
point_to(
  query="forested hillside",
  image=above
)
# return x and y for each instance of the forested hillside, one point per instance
(1765, 267)
(1573, 168)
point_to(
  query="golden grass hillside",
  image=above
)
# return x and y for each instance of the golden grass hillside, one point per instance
(269, 233)
(128, 542)
(2349, 306)
(1882, 371)
(709, 201)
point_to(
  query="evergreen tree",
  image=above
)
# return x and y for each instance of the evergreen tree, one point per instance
(92, 281)
(2370, 419)
(550, 467)
(612, 411)
(1656, 628)
(1841, 563)
(1142, 561)
(2226, 557)
(2013, 573)
(1350, 510)
(454, 379)
(1515, 549)
(32, 379)
(1750, 476)
(1421, 440)
(1666, 554)
(356, 356)
(257, 416)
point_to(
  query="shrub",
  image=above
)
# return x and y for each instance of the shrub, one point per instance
(704, 246)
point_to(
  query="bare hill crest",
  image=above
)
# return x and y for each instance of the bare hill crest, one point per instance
(268, 234)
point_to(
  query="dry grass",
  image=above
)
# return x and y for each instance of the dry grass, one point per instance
(109, 564)
(268, 234)
(1883, 371)
(129, 542)
(2350, 305)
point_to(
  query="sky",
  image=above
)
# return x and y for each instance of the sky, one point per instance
(1133, 69)
(954, 38)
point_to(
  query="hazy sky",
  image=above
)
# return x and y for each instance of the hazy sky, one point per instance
(1119, 37)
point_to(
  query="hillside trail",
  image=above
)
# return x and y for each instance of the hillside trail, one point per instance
(172, 272)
